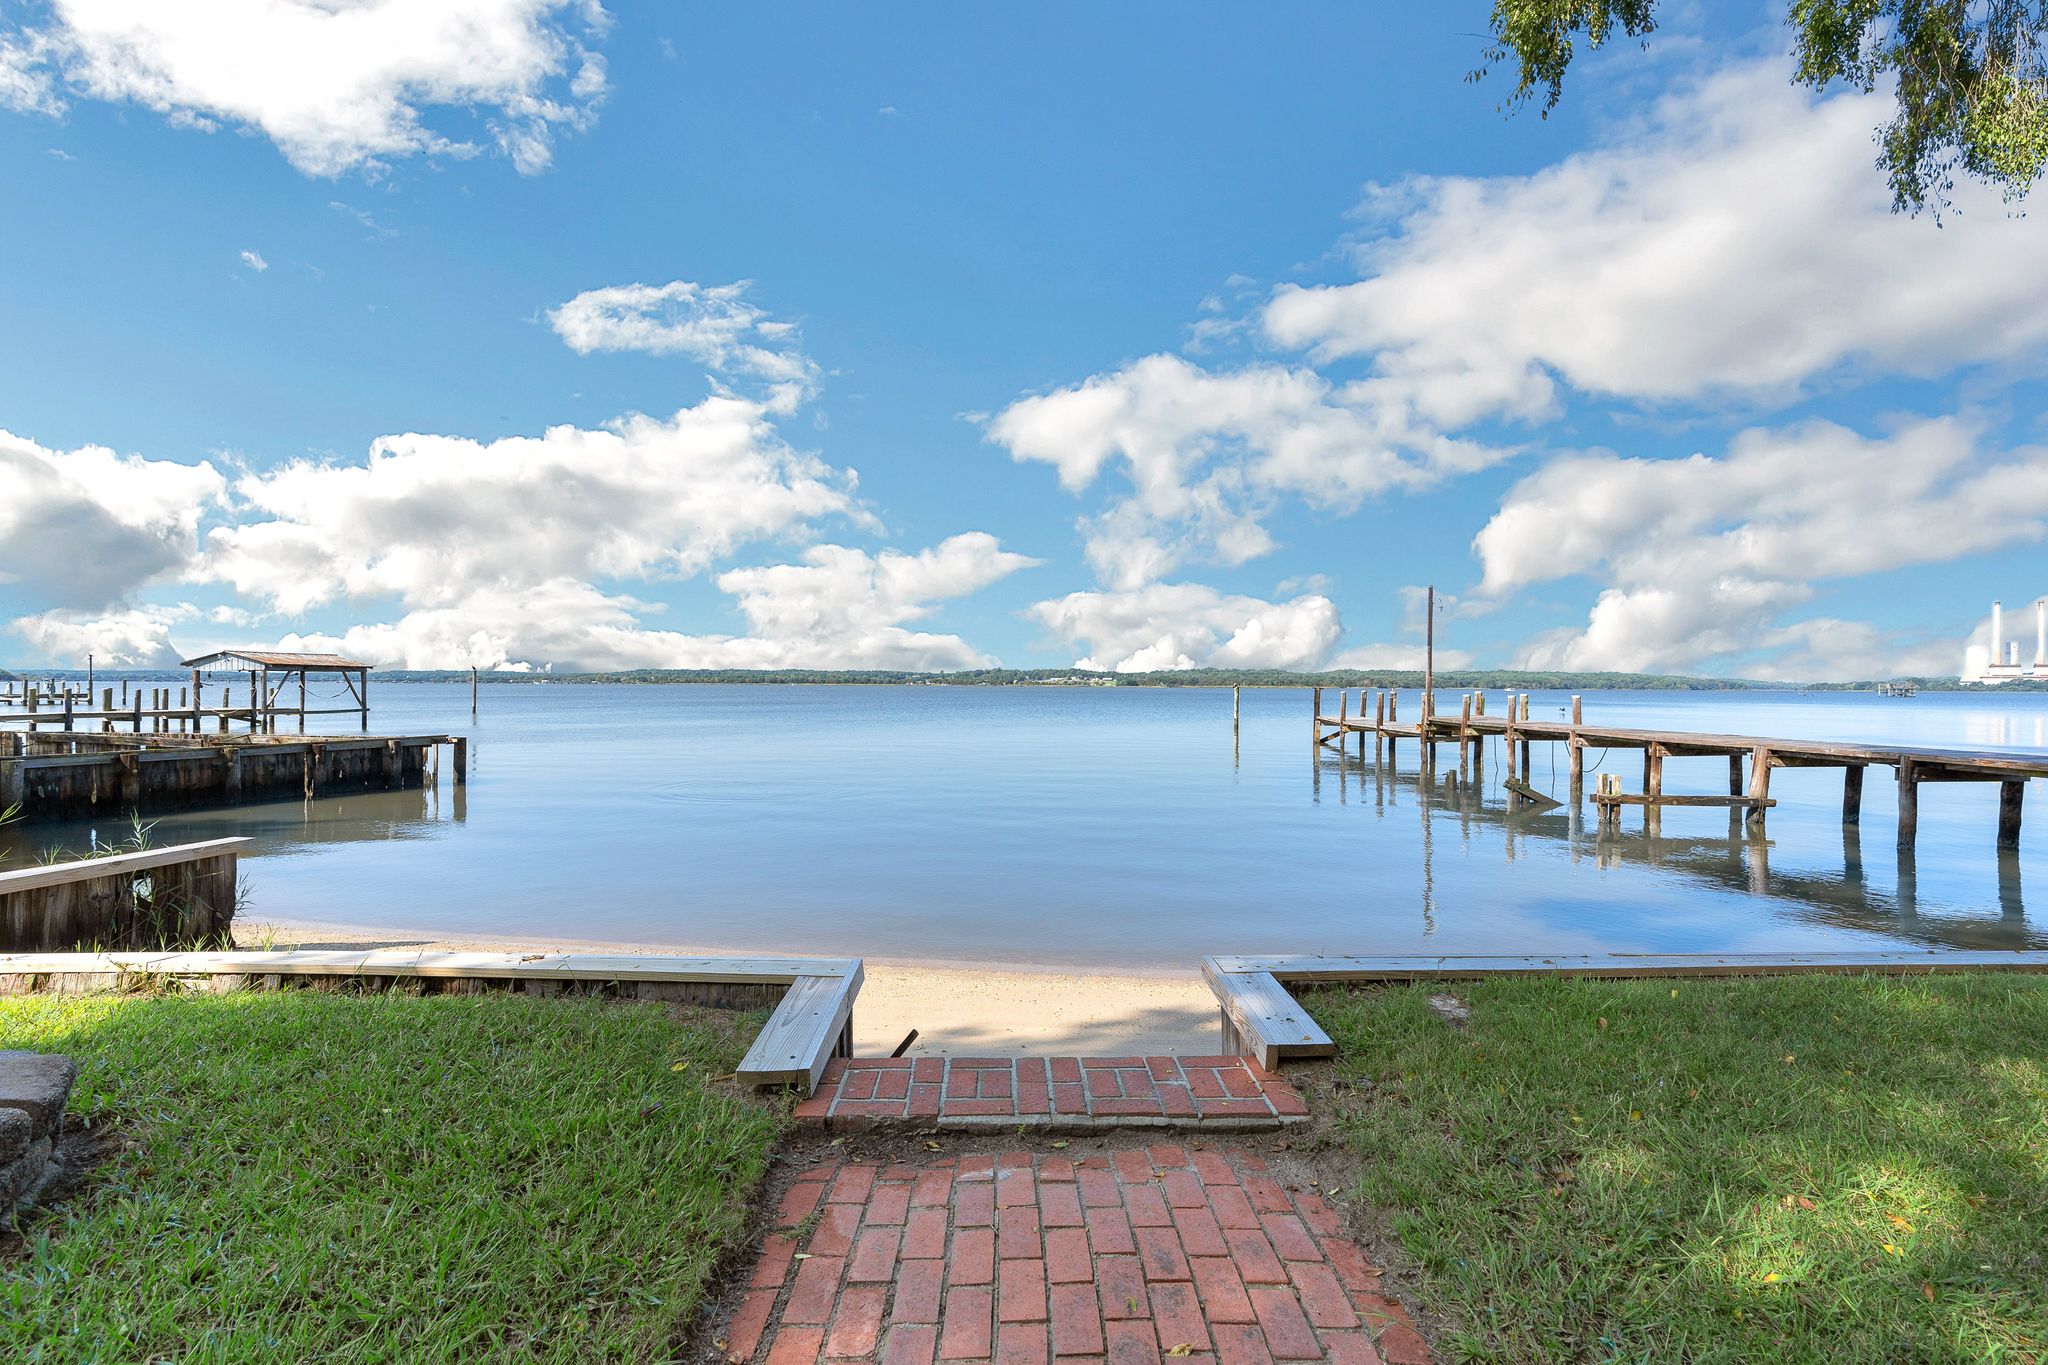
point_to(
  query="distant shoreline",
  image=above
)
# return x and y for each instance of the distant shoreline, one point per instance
(1400, 679)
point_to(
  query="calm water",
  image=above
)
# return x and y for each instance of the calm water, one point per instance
(1114, 828)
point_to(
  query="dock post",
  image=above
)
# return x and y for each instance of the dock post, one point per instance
(1759, 786)
(197, 722)
(1315, 716)
(1735, 774)
(472, 697)
(1653, 770)
(1909, 803)
(1852, 794)
(1576, 748)
(1465, 733)
(68, 710)
(2010, 795)
(1379, 728)
(1344, 715)
(462, 760)
(1578, 711)
(1236, 703)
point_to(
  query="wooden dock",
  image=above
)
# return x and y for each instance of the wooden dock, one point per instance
(1751, 758)
(80, 774)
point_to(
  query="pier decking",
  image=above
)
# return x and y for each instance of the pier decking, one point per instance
(1749, 790)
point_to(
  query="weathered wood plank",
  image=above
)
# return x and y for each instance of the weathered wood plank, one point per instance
(1316, 968)
(91, 869)
(1269, 1024)
(408, 962)
(801, 1035)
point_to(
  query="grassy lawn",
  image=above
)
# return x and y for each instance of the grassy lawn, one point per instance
(325, 1177)
(1791, 1169)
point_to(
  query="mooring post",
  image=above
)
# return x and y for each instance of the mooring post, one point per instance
(461, 761)
(1315, 716)
(1653, 771)
(1236, 702)
(1759, 786)
(472, 693)
(1909, 803)
(2010, 796)
(1735, 774)
(1852, 794)
(1465, 732)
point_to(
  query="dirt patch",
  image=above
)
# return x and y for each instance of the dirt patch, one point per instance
(83, 1148)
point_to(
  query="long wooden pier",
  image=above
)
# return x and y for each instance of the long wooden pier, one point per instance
(1751, 758)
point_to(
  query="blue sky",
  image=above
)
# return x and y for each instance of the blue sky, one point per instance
(519, 333)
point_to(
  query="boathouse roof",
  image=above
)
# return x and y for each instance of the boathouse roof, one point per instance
(276, 658)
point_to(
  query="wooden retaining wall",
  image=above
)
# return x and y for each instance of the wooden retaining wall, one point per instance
(76, 775)
(177, 897)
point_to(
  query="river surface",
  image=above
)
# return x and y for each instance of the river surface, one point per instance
(1114, 829)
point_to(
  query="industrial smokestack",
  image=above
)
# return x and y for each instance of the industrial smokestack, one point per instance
(1997, 633)
(2041, 633)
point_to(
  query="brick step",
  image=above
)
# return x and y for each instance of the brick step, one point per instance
(1051, 1093)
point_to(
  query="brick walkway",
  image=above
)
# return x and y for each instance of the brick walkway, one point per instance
(1151, 1253)
(1053, 1092)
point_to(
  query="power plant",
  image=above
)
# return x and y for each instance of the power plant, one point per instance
(2001, 662)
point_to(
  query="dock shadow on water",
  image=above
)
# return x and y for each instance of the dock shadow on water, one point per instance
(1108, 829)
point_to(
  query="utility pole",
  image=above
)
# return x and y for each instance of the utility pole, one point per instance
(1429, 656)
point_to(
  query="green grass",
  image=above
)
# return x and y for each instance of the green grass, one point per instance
(311, 1176)
(1789, 1169)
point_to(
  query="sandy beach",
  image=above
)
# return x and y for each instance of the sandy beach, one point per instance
(959, 1009)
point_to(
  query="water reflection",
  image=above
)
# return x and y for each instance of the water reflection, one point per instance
(291, 826)
(1738, 861)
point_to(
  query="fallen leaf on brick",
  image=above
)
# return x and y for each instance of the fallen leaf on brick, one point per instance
(1183, 1349)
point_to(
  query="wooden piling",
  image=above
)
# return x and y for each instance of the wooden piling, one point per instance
(2010, 797)
(1759, 786)
(461, 746)
(1909, 803)
(1852, 795)
(1735, 774)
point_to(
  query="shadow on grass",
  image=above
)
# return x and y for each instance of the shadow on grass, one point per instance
(314, 1176)
(1799, 1168)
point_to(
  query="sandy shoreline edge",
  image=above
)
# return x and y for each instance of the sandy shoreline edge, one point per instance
(959, 1009)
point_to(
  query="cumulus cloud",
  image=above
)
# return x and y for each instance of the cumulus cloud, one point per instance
(837, 608)
(1702, 557)
(431, 520)
(135, 637)
(1207, 454)
(713, 325)
(1190, 625)
(1735, 244)
(336, 87)
(79, 529)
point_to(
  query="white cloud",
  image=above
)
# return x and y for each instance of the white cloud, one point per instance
(1190, 625)
(25, 86)
(82, 528)
(1702, 557)
(1406, 655)
(337, 87)
(1736, 243)
(713, 325)
(254, 261)
(137, 637)
(838, 608)
(432, 520)
(1207, 454)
